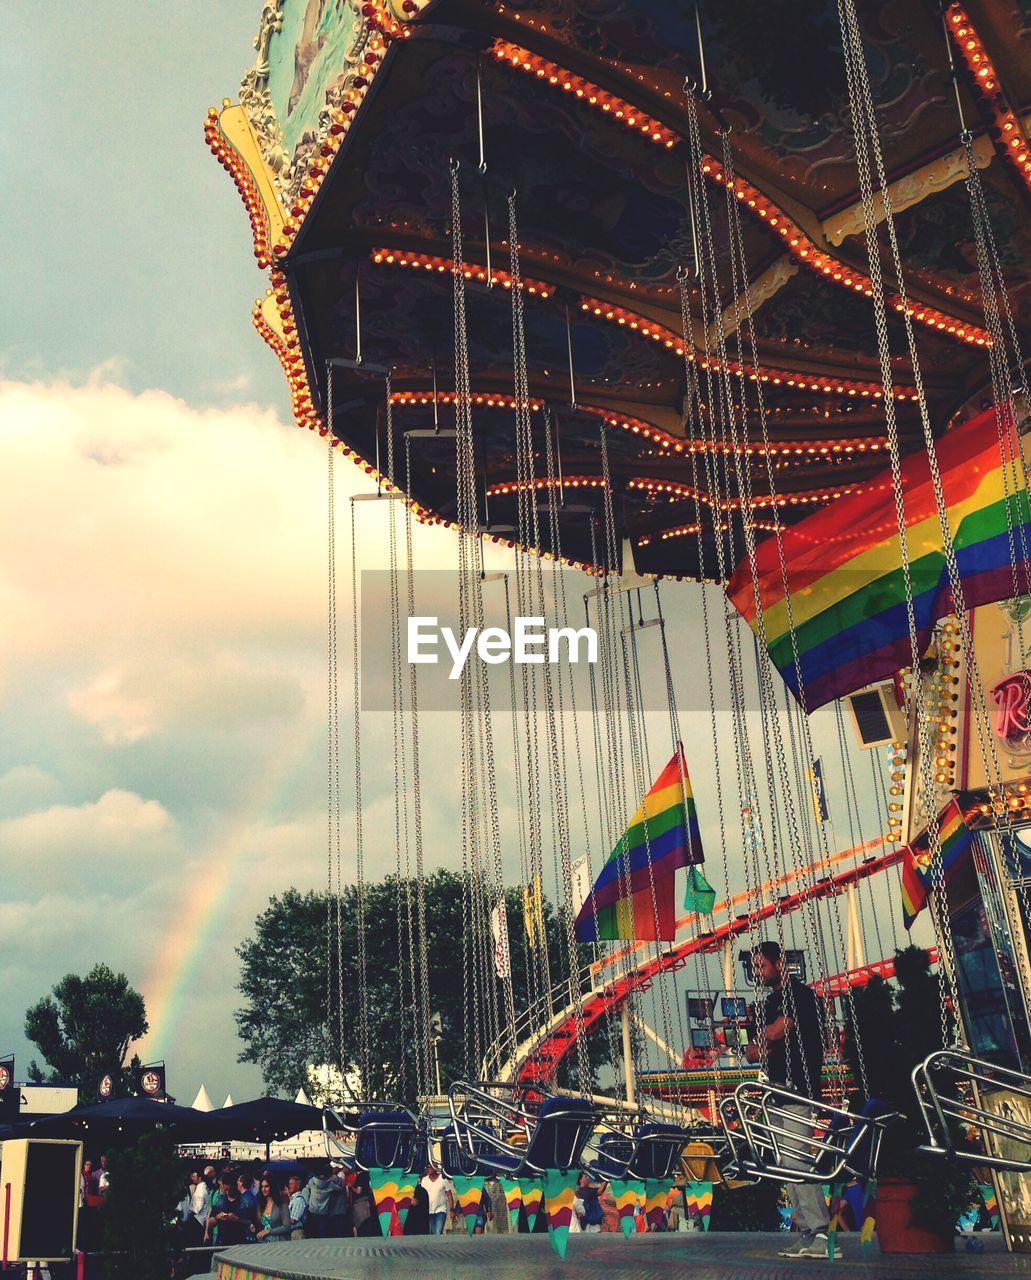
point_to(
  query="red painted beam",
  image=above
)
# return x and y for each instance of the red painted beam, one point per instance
(542, 1064)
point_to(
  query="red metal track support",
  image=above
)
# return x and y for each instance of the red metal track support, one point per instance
(541, 1066)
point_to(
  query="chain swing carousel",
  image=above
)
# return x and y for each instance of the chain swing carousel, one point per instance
(649, 294)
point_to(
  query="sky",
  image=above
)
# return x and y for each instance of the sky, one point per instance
(163, 747)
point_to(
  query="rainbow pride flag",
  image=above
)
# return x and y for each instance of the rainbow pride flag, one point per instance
(843, 564)
(633, 896)
(955, 838)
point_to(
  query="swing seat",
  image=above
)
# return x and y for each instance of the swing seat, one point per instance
(657, 1150)
(556, 1131)
(953, 1090)
(776, 1134)
(613, 1152)
(385, 1135)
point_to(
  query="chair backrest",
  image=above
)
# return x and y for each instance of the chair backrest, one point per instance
(657, 1148)
(385, 1140)
(561, 1130)
(614, 1152)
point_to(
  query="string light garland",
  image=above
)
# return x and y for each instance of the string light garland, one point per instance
(775, 377)
(806, 251)
(481, 399)
(471, 271)
(688, 530)
(229, 159)
(678, 491)
(1009, 132)
(799, 245)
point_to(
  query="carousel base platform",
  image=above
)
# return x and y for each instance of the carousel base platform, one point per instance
(715, 1256)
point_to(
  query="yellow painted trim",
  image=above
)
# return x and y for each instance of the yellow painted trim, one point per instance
(236, 129)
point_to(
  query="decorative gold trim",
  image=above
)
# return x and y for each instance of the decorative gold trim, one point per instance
(910, 189)
(760, 290)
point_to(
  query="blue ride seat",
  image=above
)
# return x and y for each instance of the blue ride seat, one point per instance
(385, 1140)
(556, 1133)
(614, 1150)
(656, 1150)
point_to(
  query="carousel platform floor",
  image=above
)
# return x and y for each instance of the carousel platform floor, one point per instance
(717, 1256)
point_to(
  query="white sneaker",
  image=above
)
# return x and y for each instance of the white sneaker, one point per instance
(811, 1247)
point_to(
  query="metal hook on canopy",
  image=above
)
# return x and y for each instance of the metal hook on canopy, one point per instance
(436, 408)
(482, 166)
(569, 352)
(357, 319)
(705, 92)
(954, 78)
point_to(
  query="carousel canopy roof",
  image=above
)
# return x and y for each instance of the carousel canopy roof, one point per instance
(584, 118)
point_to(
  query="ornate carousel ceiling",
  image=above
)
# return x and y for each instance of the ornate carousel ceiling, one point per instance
(342, 147)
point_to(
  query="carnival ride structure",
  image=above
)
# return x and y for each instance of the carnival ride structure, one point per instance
(656, 295)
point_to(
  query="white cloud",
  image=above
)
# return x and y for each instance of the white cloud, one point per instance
(25, 787)
(116, 822)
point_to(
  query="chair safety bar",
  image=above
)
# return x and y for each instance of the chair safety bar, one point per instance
(784, 1136)
(952, 1089)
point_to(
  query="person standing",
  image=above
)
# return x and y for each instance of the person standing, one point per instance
(441, 1201)
(197, 1218)
(321, 1191)
(273, 1215)
(298, 1207)
(789, 1045)
(499, 1218)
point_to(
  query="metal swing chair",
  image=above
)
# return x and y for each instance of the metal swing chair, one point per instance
(949, 1086)
(776, 1134)
(504, 1130)
(634, 1146)
(386, 1135)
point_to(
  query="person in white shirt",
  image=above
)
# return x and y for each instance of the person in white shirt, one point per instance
(200, 1203)
(441, 1201)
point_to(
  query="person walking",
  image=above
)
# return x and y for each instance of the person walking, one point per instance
(789, 1046)
(441, 1200)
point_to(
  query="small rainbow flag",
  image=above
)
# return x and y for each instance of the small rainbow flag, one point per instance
(991, 1204)
(698, 1201)
(559, 1194)
(869, 1216)
(405, 1197)
(533, 1194)
(633, 896)
(628, 1194)
(955, 839)
(843, 564)
(655, 1193)
(385, 1185)
(468, 1198)
(513, 1200)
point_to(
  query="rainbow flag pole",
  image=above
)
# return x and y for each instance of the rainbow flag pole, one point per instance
(632, 897)
(954, 839)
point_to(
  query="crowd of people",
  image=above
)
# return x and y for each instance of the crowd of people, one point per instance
(253, 1203)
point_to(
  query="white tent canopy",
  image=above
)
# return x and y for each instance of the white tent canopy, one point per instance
(203, 1102)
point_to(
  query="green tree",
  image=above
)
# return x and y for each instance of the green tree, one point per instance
(86, 1026)
(139, 1211)
(287, 985)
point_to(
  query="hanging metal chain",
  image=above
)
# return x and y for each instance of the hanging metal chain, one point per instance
(334, 887)
(364, 1056)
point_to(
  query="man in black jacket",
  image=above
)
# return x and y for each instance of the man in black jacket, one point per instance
(789, 1046)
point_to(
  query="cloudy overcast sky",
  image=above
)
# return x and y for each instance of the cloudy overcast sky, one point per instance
(163, 573)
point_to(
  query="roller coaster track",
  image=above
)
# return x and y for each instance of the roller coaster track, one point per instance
(547, 1031)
